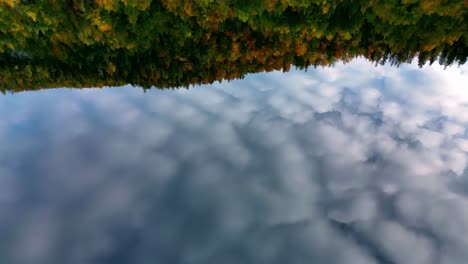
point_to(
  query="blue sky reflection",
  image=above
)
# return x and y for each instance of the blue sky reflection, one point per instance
(351, 164)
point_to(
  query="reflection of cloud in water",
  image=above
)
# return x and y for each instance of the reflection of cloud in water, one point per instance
(352, 164)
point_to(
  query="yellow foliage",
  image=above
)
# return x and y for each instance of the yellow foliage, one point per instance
(300, 49)
(104, 27)
(429, 6)
(347, 36)
(64, 37)
(97, 38)
(110, 68)
(32, 15)
(325, 9)
(140, 4)
(451, 39)
(277, 53)
(429, 47)
(188, 7)
(131, 46)
(270, 5)
(235, 48)
(107, 4)
(101, 24)
(10, 3)
(284, 30)
(170, 5)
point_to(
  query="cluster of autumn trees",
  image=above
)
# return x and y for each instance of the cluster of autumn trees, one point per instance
(172, 43)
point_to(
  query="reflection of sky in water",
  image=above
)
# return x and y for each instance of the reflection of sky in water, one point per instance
(352, 164)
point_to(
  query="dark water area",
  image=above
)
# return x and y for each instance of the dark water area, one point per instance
(351, 164)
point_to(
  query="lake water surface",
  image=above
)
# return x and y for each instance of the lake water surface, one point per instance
(351, 164)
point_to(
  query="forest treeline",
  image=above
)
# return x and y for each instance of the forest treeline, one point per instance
(173, 43)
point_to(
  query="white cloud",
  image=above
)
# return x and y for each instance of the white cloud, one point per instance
(402, 245)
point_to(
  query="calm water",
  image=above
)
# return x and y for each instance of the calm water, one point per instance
(352, 164)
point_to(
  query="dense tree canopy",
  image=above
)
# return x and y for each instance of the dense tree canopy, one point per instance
(172, 43)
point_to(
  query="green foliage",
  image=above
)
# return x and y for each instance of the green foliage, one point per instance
(171, 43)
